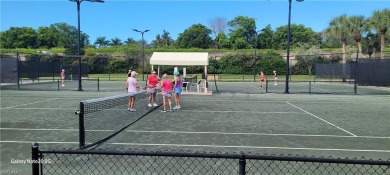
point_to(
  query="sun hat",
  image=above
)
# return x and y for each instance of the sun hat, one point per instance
(153, 72)
(176, 73)
(134, 73)
(165, 75)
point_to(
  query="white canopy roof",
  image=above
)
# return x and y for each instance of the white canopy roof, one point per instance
(180, 58)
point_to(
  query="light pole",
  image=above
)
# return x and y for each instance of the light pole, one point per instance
(143, 51)
(79, 37)
(255, 66)
(288, 45)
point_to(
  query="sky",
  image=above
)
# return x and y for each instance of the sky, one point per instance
(117, 18)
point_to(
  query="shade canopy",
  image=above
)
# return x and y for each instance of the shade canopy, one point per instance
(180, 58)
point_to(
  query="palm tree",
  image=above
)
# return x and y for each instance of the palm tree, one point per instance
(357, 23)
(130, 41)
(380, 21)
(157, 42)
(372, 43)
(102, 42)
(166, 38)
(339, 28)
(116, 42)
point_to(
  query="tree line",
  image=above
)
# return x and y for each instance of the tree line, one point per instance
(368, 34)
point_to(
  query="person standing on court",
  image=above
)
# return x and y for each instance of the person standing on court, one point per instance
(275, 78)
(166, 88)
(131, 89)
(177, 89)
(261, 76)
(63, 77)
(152, 89)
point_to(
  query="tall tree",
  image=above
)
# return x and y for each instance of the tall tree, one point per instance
(218, 25)
(299, 34)
(339, 27)
(116, 42)
(222, 41)
(102, 42)
(307, 55)
(163, 40)
(156, 43)
(371, 43)
(167, 40)
(130, 41)
(196, 36)
(380, 22)
(19, 37)
(48, 36)
(242, 32)
(357, 24)
(265, 38)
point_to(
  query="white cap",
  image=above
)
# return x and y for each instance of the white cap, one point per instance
(133, 73)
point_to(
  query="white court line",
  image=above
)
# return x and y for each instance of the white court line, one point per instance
(254, 86)
(188, 132)
(54, 129)
(280, 101)
(322, 119)
(250, 147)
(40, 108)
(210, 146)
(257, 134)
(12, 141)
(272, 112)
(30, 103)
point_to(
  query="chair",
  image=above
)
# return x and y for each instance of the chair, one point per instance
(200, 85)
(192, 83)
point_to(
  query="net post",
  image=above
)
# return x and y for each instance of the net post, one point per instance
(98, 83)
(53, 66)
(241, 165)
(356, 75)
(309, 87)
(18, 70)
(81, 126)
(58, 84)
(35, 158)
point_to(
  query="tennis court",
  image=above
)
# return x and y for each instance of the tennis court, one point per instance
(249, 120)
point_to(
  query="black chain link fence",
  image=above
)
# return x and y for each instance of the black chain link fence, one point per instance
(67, 161)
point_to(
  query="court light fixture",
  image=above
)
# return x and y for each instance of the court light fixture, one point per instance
(286, 91)
(79, 37)
(143, 51)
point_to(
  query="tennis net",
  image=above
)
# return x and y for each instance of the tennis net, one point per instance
(101, 119)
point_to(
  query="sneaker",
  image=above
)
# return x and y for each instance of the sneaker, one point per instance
(128, 109)
(133, 110)
(63, 85)
(276, 84)
(174, 108)
(155, 105)
(149, 105)
(178, 107)
(163, 111)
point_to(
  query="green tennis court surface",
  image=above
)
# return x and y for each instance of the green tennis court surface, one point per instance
(239, 119)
